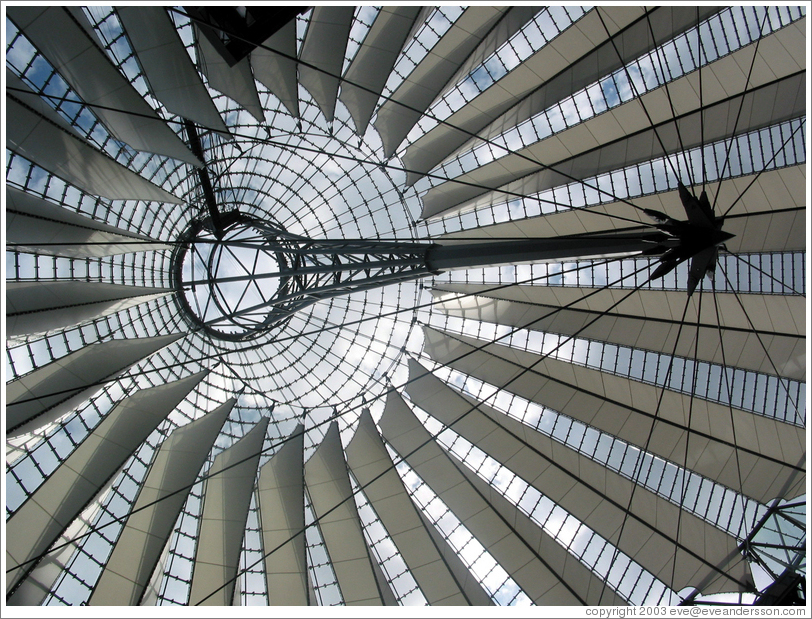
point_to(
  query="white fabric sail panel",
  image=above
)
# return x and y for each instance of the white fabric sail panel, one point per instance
(654, 532)
(398, 115)
(467, 581)
(650, 321)
(78, 14)
(167, 66)
(235, 82)
(510, 23)
(84, 65)
(387, 597)
(518, 556)
(172, 472)
(328, 485)
(36, 307)
(374, 60)
(373, 469)
(35, 223)
(153, 590)
(550, 60)
(37, 585)
(422, 16)
(311, 592)
(44, 395)
(587, 585)
(596, 152)
(624, 136)
(758, 456)
(324, 46)
(277, 72)
(227, 498)
(59, 500)
(280, 493)
(23, 93)
(764, 232)
(766, 206)
(630, 37)
(74, 160)
(769, 215)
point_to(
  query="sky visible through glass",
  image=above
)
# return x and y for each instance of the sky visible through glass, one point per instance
(320, 180)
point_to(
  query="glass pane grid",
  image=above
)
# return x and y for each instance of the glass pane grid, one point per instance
(326, 182)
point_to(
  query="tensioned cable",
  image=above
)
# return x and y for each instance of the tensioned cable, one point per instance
(741, 106)
(729, 394)
(213, 279)
(700, 51)
(388, 165)
(402, 458)
(330, 419)
(321, 241)
(766, 165)
(337, 414)
(639, 97)
(339, 242)
(750, 265)
(474, 407)
(569, 208)
(694, 380)
(316, 332)
(459, 295)
(385, 561)
(405, 240)
(763, 347)
(638, 465)
(666, 81)
(795, 209)
(387, 98)
(210, 296)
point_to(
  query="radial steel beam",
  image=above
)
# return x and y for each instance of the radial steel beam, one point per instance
(311, 270)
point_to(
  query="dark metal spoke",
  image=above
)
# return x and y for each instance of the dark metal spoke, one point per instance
(666, 80)
(758, 335)
(738, 114)
(684, 480)
(769, 276)
(638, 97)
(764, 169)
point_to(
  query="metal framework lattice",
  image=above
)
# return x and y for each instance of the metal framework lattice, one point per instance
(284, 310)
(279, 274)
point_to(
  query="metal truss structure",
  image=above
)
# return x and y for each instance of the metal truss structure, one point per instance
(406, 305)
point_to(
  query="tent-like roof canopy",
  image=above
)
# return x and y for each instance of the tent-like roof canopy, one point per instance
(606, 427)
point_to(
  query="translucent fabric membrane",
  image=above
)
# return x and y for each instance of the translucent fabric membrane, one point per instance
(591, 428)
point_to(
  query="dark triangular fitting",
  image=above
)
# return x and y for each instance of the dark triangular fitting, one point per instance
(697, 239)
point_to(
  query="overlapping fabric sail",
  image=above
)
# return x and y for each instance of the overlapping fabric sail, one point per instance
(557, 433)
